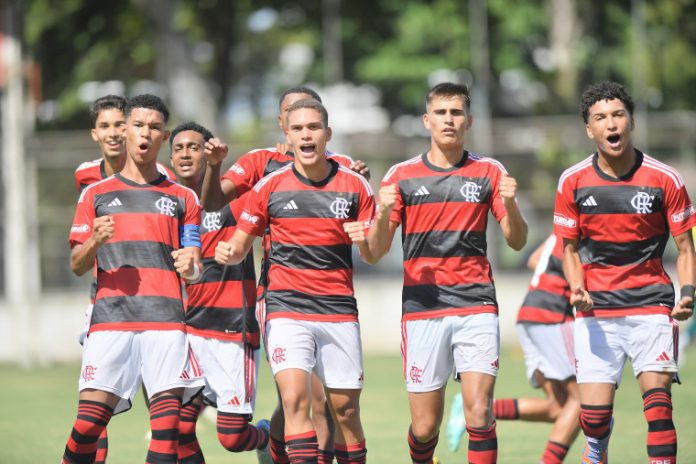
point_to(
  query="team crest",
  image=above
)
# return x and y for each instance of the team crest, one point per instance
(416, 374)
(212, 221)
(340, 207)
(471, 192)
(166, 206)
(642, 202)
(278, 355)
(88, 373)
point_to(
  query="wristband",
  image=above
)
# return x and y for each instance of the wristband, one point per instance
(196, 274)
(687, 291)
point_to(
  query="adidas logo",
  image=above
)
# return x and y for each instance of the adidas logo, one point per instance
(115, 202)
(663, 357)
(422, 191)
(291, 205)
(590, 201)
(234, 401)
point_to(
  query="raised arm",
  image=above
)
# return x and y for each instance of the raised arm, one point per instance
(216, 192)
(381, 235)
(513, 224)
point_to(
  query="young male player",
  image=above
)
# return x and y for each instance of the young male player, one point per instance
(442, 199)
(220, 321)
(141, 229)
(239, 179)
(545, 330)
(311, 314)
(614, 211)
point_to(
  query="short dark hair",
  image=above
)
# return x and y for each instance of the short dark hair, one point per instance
(301, 89)
(449, 89)
(606, 90)
(190, 126)
(313, 105)
(107, 102)
(148, 101)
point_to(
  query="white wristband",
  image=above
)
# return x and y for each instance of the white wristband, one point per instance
(196, 274)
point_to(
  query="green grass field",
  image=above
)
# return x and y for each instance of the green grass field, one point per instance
(38, 408)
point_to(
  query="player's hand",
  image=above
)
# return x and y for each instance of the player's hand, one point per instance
(283, 147)
(684, 309)
(183, 262)
(215, 151)
(580, 298)
(356, 231)
(361, 168)
(507, 188)
(223, 252)
(387, 198)
(102, 229)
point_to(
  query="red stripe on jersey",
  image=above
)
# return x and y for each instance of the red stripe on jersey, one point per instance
(447, 271)
(434, 314)
(139, 227)
(137, 326)
(312, 317)
(313, 281)
(599, 278)
(253, 338)
(446, 216)
(623, 312)
(225, 294)
(541, 316)
(320, 231)
(141, 282)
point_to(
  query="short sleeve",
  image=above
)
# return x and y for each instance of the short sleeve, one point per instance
(566, 215)
(497, 206)
(82, 223)
(254, 216)
(392, 178)
(246, 172)
(680, 211)
(192, 215)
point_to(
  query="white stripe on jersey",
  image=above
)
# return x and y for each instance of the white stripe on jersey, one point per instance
(672, 173)
(393, 169)
(485, 159)
(265, 179)
(573, 169)
(89, 187)
(88, 164)
(364, 181)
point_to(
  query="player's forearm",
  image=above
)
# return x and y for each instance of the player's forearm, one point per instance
(686, 267)
(379, 239)
(515, 227)
(83, 256)
(572, 268)
(212, 195)
(366, 254)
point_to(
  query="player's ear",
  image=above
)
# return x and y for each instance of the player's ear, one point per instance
(166, 135)
(589, 132)
(633, 123)
(469, 121)
(329, 133)
(426, 121)
(94, 135)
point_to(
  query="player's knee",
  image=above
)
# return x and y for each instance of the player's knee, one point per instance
(347, 411)
(479, 413)
(295, 403)
(234, 442)
(425, 431)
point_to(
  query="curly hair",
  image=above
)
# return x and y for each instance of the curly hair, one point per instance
(148, 101)
(606, 90)
(190, 126)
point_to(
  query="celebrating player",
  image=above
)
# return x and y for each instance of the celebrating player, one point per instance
(614, 211)
(311, 313)
(442, 199)
(239, 179)
(220, 321)
(141, 229)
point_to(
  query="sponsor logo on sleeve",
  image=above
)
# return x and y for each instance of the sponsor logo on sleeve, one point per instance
(249, 218)
(79, 229)
(563, 221)
(684, 215)
(236, 168)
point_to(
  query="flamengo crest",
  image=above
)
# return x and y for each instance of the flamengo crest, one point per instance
(166, 206)
(340, 207)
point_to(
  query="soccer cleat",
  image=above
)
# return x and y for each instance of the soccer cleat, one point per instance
(456, 424)
(597, 451)
(264, 454)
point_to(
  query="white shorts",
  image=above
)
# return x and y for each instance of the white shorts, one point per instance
(548, 348)
(230, 371)
(85, 326)
(332, 349)
(119, 361)
(434, 349)
(602, 346)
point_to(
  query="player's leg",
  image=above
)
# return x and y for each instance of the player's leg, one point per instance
(653, 342)
(350, 438)
(95, 409)
(291, 348)
(323, 423)
(189, 451)
(564, 401)
(278, 452)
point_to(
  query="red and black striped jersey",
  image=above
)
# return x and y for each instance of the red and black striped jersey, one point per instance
(137, 285)
(443, 215)
(310, 266)
(256, 164)
(547, 300)
(622, 226)
(90, 172)
(215, 305)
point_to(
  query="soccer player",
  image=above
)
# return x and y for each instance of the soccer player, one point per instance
(239, 179)
(614, 211)
(142, 230)
(311, 313)
(442, 199)
(545, 329)
(220, 321)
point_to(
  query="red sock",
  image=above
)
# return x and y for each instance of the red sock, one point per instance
(662, 436)
(102, 448)
(325, 457)
(554, 453)
(351, 454)
(189, 449)
(483, 445)
(278, 451)
(92, 417)
(237, 435)
(595, 420)
(421, 453)
(302, 448)
(506, 409)
(164, 424)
